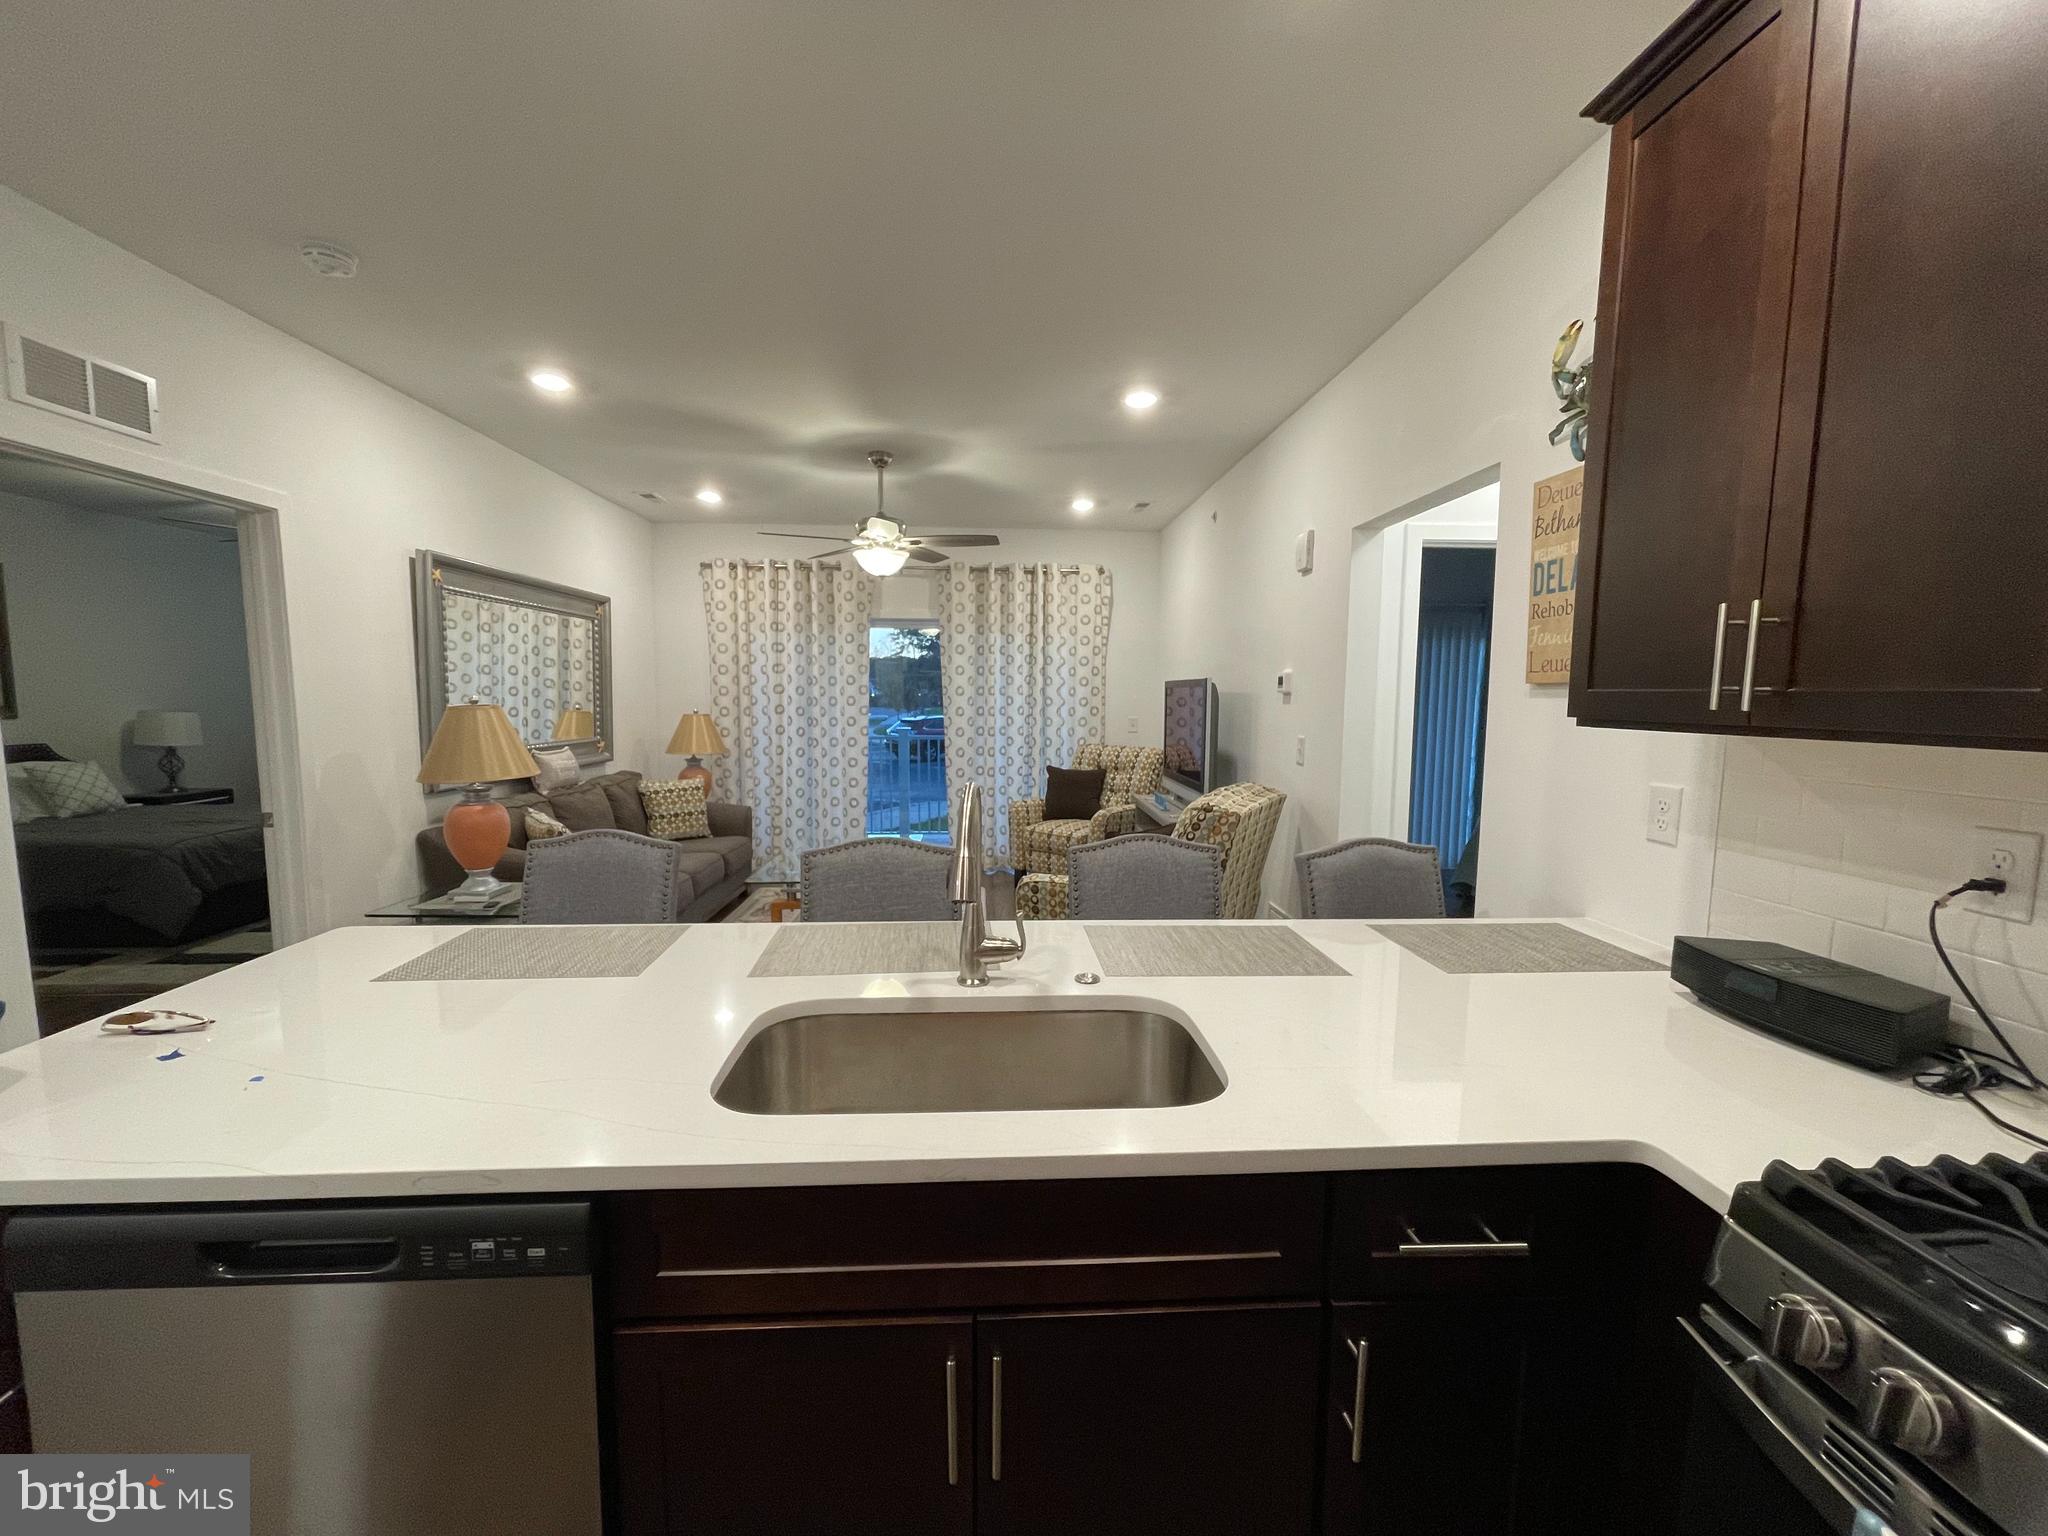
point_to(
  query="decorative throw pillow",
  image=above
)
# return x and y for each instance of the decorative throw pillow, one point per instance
(1072, 794)
(675, 808)
(540, 825)
(558, 769)
(73, 789)
(26, 804)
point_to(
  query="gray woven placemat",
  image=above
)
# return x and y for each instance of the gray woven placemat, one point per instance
(859, 949)
(1473, 949)
(1208, 949)
(541, 954)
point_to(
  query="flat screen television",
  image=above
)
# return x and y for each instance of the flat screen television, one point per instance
(1191, 732)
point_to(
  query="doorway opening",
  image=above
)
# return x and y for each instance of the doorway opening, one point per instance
(1418, 649)
(148, 731)
(906, 732)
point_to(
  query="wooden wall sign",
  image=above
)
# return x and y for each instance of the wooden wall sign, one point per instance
(1554, 575)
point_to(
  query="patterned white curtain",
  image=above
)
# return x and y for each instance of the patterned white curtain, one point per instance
(533, 662)
(789, 690)
(1026, 677)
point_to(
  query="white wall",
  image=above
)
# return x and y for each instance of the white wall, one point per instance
(110, 615)
(1137, 620)
(1840, 847)
(365, 475)
(1458, 385)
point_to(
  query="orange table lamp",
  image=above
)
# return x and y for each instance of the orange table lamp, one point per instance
(475, 746)
(697, 738)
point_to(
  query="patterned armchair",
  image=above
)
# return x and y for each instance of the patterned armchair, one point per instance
(1040, 846)
(1238, 818)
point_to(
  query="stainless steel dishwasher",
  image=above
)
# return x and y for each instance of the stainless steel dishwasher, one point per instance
(391, 1370)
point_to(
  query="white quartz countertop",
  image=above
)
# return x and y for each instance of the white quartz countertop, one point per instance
(316, 1082)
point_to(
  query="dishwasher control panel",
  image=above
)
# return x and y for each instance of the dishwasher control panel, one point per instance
(497, 1251)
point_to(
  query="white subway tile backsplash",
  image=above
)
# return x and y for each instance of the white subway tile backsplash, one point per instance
(1840, 848)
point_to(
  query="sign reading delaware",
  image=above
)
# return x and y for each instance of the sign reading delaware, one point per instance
(147, 1494)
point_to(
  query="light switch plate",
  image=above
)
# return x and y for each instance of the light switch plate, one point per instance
(1667, 804)
(2010, 855)
(1301, 751)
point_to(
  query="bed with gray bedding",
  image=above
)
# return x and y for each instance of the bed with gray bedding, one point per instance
(162, 869)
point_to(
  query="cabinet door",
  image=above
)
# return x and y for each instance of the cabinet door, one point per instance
(1695, 281)
(795, 1429)
(1197, 1422)
(1910, 591)
(1462, 1420)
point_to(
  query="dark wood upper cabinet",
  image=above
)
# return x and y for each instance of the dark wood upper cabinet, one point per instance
(1823, 342)
(1173, 1422)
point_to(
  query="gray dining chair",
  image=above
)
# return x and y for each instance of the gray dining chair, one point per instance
(1146, 874)
(1371, 877)
(876, 880)
(603, 876)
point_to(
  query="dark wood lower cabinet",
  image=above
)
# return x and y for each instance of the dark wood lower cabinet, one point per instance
(1454, 1419)
(1175, 1422)
(796, 1429)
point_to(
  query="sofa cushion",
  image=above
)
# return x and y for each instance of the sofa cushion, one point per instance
(703, 864)
(623, 790)
(737, 852)
(558, 768)
(675, 808)
(516, 806)
(583, 807)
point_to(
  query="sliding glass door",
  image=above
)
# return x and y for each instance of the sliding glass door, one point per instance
(906, 733)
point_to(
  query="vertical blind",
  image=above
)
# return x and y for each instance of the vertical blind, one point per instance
(1450, 701)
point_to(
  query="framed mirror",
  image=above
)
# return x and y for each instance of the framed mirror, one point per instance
(540, 651)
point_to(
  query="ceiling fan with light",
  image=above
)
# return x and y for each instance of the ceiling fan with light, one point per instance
(881, 545)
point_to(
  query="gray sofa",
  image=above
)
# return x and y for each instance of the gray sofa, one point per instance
(715, 867)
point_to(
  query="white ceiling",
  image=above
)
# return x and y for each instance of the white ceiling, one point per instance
(766, 235)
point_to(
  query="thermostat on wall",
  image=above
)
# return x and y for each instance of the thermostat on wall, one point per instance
(1305, 551)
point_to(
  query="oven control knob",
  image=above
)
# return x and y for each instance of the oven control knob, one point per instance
(1805, 1332)
(1909, 1411)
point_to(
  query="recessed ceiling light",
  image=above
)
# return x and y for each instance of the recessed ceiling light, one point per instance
(1140, 399)
(551, 381)
(1083, 503)
(711, 496)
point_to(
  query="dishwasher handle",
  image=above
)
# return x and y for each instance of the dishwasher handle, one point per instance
(300, 1258)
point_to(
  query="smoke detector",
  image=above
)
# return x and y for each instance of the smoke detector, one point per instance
(328, 259)
(653, 496)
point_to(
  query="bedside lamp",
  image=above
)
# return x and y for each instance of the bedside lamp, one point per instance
(169, 729)
(696, 738)
(475, 746)
(576, 724)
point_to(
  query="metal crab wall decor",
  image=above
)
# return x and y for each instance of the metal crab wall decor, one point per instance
(1571, 385)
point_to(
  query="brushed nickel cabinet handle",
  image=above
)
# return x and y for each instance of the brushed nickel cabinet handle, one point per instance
(1720, 655)
(1494, 1246)
(1756, 623)
(1355, 1419)
(952, 1422)
(995, 1418)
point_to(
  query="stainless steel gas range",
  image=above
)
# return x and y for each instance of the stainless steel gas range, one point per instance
(1875, 1354)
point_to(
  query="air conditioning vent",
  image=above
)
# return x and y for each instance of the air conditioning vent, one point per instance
(88, 388)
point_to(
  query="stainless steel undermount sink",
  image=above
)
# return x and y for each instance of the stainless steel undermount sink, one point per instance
(877, 1063)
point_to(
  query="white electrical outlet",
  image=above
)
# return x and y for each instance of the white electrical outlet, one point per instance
(1667, 803)
(1301, 751)
(1131, 724)
(2001, 853)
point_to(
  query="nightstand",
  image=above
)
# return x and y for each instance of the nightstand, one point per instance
(182, 797)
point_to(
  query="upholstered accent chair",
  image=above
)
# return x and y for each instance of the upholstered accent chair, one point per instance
(1371, 877)
(1038, 846)
(604, 876)
(876, 880)
(1238, 819)
(1147, 874)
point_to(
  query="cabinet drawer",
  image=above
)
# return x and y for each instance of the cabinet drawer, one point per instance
(1479, 1230)
(739, 1252)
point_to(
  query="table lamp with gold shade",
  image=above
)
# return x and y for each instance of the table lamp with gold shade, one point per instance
(475, 746)
(576, 724)
(696, 738)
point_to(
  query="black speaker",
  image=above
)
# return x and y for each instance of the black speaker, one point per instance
(1840, 1009)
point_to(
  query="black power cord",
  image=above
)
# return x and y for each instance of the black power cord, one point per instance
(1963, 1070)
